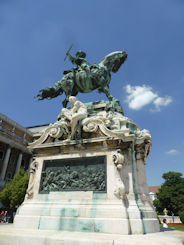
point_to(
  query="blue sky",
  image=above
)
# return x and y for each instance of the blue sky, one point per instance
(35, 35)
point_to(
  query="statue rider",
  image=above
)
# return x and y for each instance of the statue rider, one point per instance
(80, 61)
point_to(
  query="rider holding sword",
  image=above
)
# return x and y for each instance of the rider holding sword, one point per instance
(79, 60)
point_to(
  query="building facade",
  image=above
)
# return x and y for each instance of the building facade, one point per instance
(14, 154)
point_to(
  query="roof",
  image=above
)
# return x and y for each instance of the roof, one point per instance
(154, 188)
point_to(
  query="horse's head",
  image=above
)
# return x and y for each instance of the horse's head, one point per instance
(114, 60)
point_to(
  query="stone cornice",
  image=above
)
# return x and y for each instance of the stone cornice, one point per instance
(13, 143)
(15, 124)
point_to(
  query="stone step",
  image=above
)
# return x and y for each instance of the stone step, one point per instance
(75, 211)
(104, 225)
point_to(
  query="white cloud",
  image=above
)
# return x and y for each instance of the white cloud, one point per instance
(172, 152)
(140, 96)
(162, 101)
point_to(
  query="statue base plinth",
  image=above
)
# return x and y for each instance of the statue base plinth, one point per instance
(104, 168)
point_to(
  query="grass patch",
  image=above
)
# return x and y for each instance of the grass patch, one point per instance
(177, 227)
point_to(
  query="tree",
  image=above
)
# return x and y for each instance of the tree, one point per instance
(14, 192)
(171, 194)
(181, 215)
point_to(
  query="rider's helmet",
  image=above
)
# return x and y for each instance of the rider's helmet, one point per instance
(80, 54)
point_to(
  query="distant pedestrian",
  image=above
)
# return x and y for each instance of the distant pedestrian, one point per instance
(172, 214)
(165, 223)
(5, 217)
(2, 216)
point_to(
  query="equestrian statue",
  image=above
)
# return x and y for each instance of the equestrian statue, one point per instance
(85, 77)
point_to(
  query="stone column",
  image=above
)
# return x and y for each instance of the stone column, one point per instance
(5, 163)
(19, 161)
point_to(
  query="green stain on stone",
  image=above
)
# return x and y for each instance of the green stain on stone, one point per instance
(62, 212)
(87, 226)
(93, 208)
(79, 225)
(74, 213)
(98, 227)
(69, 212)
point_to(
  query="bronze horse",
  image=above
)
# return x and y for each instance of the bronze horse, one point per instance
(86, 78)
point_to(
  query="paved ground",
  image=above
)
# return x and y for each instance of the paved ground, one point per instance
(11, 236)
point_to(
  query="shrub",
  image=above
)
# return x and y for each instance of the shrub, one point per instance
(181, 215)
(14, 192)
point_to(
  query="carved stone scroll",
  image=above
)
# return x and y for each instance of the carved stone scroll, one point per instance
(30, 190)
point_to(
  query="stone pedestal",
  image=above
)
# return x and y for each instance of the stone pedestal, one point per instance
(95, 182)
(113, 210)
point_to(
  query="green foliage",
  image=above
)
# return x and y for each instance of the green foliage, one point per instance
(171, 193)
(181, 215)
(14, 192)
(5, 194)
(177, 227)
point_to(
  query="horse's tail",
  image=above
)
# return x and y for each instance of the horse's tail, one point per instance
(50, 92)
